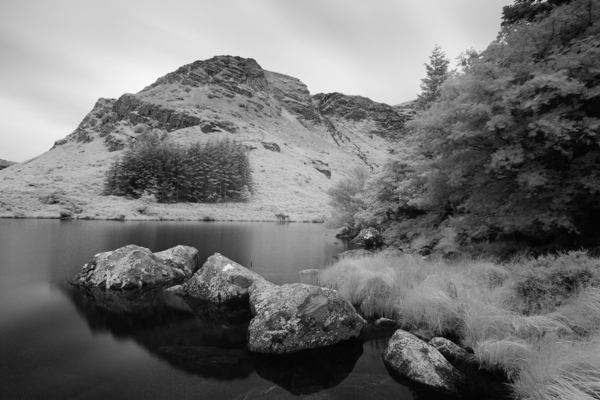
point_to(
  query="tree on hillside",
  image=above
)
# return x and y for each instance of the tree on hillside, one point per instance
(437, 72)
(512, 143)
(528, 10)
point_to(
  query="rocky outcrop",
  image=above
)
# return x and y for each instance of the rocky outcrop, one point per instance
(137, 111)
(271, 146)
(240, 75)
(220, 281)
(357, 108)
(134, 267)
(409, 357)
(368, 239)
(296, 317)
(293, 95)
(6, 164)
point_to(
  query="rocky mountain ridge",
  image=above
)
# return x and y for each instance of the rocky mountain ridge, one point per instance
(298, 144)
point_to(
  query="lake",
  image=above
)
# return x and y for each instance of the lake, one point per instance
(57, 342)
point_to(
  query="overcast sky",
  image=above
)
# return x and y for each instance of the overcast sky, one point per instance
(59, 56)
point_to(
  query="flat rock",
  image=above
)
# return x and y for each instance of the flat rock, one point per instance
(134, 267)
(295, 317)
(412, 358)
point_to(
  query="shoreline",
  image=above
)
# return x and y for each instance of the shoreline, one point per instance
(36, 204)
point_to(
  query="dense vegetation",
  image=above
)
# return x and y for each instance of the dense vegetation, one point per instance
(510, 148)
(211, 172)
(537, 322)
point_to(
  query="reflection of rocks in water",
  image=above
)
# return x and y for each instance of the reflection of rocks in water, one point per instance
(166, 326)
(122, 313)
(232, 313)
(360, 386)
(223, 364)
(309, 371)
(274, 392)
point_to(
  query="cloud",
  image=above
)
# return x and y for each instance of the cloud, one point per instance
(59, 56)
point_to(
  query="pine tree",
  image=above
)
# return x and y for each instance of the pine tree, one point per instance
(437, 72)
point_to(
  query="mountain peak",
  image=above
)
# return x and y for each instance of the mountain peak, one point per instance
(298, 144)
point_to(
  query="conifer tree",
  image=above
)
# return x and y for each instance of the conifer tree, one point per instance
(437, 72)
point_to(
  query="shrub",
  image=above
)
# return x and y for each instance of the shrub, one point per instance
(547, 282)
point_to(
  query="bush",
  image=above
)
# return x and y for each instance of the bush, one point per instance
(549, 281)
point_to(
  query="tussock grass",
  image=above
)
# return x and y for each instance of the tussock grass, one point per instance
(561, 369)
(535, 321)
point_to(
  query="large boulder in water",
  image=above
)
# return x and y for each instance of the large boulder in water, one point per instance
(134, 267)
(181, 257)
(295, 317)
(410, 357)
(221, 281)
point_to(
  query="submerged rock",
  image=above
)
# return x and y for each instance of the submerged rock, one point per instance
(296, 317)
(412, 358)
(134, 267)
(221, 281)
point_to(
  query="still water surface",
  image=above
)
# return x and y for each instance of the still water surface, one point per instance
(58, 343)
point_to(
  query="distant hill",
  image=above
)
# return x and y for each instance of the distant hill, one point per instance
(298, 144)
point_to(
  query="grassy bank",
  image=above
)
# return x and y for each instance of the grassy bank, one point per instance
(535, 321)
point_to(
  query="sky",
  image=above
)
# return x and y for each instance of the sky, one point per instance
(57, 57)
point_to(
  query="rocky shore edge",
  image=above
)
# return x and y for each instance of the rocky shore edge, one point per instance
(282, 319)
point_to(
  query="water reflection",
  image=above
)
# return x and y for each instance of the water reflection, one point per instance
(310, 371)
(166, 326)
(169, 329)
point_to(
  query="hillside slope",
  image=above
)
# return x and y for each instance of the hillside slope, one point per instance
(298, 144)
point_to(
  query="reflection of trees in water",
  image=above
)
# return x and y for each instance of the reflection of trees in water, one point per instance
(166, 326)
(309, 371)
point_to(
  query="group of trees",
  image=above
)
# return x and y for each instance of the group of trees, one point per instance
(210, 172)
(510, 144)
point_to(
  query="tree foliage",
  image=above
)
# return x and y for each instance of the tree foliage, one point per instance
(437, 72)
(208, 172)
(512, 146)
(528, 10)
(346, 198)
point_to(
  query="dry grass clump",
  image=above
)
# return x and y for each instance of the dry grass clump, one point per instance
(560, 369)
(535, 321)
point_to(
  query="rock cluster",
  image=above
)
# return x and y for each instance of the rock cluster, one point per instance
(412, 358)
(134, 267)
(283, 319)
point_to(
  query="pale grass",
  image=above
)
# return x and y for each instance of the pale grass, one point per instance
(561, 369)
(548, 356)
(502, 355)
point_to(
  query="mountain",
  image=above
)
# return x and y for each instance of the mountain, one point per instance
(298, 144)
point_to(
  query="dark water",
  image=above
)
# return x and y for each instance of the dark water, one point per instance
(57, 342)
